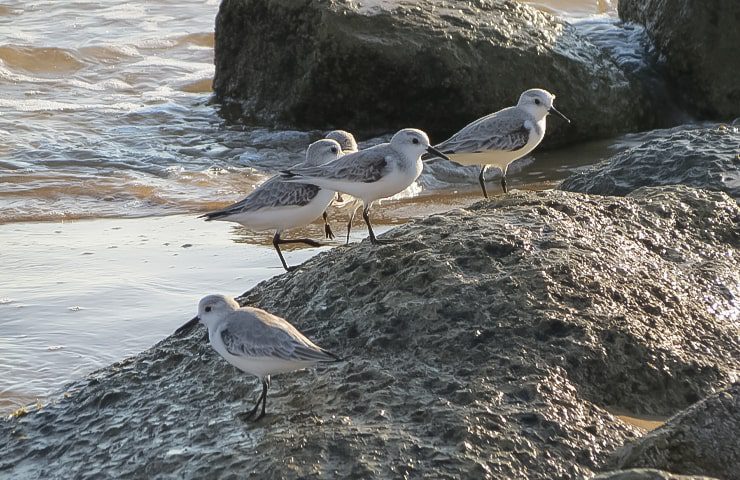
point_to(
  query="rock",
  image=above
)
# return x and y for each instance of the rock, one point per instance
(375, 67)
(702, 440)
(699, 156)
(645, 474)
(483, 342)
(700, 43)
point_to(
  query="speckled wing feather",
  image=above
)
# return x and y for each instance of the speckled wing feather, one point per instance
(249, 336)
(365, 166)
(271, 194)
(504, 130)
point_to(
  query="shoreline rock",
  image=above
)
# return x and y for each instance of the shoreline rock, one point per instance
(700, 45)
(698, 156)
(483, 342)
(700, 440)
(433, 65)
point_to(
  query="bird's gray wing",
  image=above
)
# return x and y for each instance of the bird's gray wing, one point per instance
(365, 166)
(495, 132)
(273, 193)
(253, 337)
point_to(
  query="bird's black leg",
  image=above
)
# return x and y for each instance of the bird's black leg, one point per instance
(261, 400)
(276, 241)
(373, 240)
(265, 386)
(327, 228)
(307, 241)
(482, 181)
(503, 183)
(349, 224)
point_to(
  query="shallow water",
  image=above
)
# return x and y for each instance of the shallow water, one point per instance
(105, 115)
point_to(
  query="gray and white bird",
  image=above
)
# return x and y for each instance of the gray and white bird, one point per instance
(374, 173)
(255, 342)
(504, 136)
(348, 202)
(279, 205)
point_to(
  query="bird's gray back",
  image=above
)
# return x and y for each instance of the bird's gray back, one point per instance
(502, 130)
(365, 166)
(255, 333)
(272, 194)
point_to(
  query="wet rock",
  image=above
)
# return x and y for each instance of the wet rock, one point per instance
(702, 440)
(700, 43)
(700, 156)
(482, 343)
(646, 474)
(375, 67)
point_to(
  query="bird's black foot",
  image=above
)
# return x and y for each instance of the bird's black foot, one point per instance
(291, 269)
(327, 231)
(247, 416)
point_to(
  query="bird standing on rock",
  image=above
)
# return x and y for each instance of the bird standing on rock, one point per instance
(504, 136)
(255, 342)
(374, 173)
(349, 145)
(280, 205)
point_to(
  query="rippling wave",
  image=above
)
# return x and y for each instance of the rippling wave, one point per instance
(105, 112)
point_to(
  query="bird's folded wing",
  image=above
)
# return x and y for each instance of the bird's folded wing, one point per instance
(272, 194)
(364, 166)
(270, 342)
(489, 134)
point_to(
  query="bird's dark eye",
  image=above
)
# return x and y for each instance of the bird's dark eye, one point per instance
(333, 149)
(537, 101)
(415, 141)
(208, 309)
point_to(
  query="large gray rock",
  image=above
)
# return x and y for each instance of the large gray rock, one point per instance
(375, 67)
(702, 157)
(646, 474)
(700, 43)
(482, 343)
(702, 440)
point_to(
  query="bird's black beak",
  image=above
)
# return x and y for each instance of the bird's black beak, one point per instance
(557, 112)
(436, 152)
(188, 326)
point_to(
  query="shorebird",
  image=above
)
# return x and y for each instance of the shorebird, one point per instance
(255, 342)
(279, 205)
(374, 173)
(504, 136)
(349, 145)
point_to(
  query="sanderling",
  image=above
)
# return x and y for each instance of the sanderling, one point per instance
(345, 139)
(502, 137)
(279, 205)
(255, 341)
(374, 173)
(349, 145)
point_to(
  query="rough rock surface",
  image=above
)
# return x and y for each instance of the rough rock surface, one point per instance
(702, 157)
(702, 440)
(700, 41)
(482, 343)
(646, 474)
(375, 67)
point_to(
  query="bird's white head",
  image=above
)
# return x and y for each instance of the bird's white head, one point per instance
(539, 103)
(322, 151)
(215, 307)
(413, 143)
(345, 139)
(210, 310)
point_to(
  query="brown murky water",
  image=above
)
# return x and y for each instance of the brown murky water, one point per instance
(105, 115)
